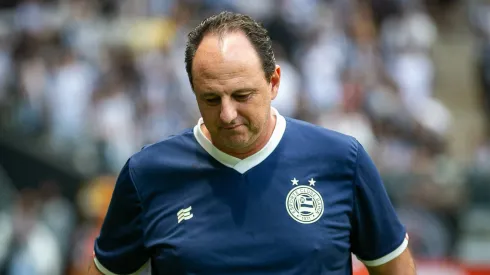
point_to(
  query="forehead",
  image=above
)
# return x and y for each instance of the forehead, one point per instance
(225, 59)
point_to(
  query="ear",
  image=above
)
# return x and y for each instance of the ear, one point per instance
(275, 81)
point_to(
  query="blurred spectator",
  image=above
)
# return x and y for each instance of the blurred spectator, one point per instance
(322, 62)
(93, 201)
(479, 14)
(31, 75)
(287, 100)
(407, 41)
(58, 214)
(482, 154)
(33, 247)
(350, 119)
(69, 96)
(29, 16)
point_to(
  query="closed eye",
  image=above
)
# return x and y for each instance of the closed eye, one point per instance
(242, 97)
(213, 100)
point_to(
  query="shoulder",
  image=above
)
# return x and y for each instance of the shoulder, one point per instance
(172, 149)
(321, 141)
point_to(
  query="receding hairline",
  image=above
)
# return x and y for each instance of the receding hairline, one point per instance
(222, 33)
(222, 51)
(221, 26)
(235, 58)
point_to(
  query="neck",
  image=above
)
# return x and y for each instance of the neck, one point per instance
(252, 149)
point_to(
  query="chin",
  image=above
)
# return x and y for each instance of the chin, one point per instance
(236, 142)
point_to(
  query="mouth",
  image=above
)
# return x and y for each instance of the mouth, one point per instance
(231, 127)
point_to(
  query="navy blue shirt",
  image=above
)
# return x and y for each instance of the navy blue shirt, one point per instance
(302, 205)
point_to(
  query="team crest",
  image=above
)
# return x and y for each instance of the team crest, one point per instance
(304, 204)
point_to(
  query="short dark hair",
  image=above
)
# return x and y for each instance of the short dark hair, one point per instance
(226, 22)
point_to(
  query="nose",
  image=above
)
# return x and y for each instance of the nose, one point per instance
(228, 111)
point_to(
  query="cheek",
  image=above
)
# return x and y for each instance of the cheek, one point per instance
(254, 116)
(210, 116)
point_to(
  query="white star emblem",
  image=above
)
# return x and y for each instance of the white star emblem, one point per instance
(312, 182)
(295, 181)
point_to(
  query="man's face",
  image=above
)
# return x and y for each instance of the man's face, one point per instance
(233, 96)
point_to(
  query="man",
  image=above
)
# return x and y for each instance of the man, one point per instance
(248, 191)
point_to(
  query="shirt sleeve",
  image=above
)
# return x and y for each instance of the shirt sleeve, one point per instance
(377, 234)
(119, 248)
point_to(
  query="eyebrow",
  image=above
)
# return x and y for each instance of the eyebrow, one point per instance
(244, 90)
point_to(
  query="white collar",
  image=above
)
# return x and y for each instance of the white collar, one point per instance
(243, 165)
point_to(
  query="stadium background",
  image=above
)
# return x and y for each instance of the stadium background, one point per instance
(85, 83)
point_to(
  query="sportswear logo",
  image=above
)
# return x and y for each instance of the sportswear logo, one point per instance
(184, 214)
(303, 203)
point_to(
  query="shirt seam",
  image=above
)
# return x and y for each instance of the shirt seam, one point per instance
(354, 184)
(133, 181)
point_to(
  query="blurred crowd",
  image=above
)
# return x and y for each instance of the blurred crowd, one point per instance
(97, 80)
